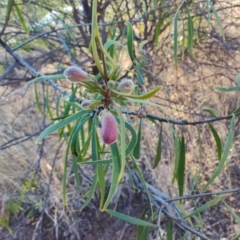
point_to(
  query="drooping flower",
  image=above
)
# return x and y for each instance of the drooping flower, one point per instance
(76, 74)
(109, 129)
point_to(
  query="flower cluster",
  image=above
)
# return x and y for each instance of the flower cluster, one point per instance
(109, 128)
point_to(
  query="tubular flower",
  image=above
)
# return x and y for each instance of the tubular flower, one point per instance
(126, 86)
(75, 74)
(109, 129)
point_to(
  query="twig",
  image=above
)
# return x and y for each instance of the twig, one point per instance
(73, 62)
(183, 122)
(8, 70)
(203, 195)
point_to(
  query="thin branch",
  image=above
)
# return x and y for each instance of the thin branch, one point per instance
(203, 195)
(73, 62)
(9, 69)
(19, 140)
(183, 122)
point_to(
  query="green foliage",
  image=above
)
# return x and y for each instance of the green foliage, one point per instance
(224, 154)
(21, 19)
(217, 140)
(205, 206)
(129, 219)
(159, 149)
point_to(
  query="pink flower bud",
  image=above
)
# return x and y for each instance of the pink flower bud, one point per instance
(109, 129)
(126, 86)
(76, 74)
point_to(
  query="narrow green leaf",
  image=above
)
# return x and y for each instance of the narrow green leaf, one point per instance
(144, 231)
(139, 172)
(48, 104)
(170, 230)
(86, 145)
(46, 78)
(157, 33)
(101, 182)
(99, 168)
(194, 182)
(230, 89)
(217, 140)
(91, 192)
(143, 96)
(38, 101)
(115, 174)
(139, 76)
(75, 170)
(225, 153)
(140, 229)
(94, 158)
(107, 161)
(219, 22)
(211, 111)
(176, 153)
(181, 167)
(175, 38)
(199, 146)
(71, 99)
(236, 110)
(4, 223)
(75, 134)
(136, 151)
(68, 30)
(236, 217)
(64, 181)
(205, 206)
(208, 12)
(148, 103)
(112, 49)
(21, 19)
(9, 6)
(159, 149)
(58, 106)
(144, 8)
(133, 140)
(238, 80)
(82, 136)
(122, 143)
(58, 125)
(130, 40)
(190, 33)
(142, 44)
(111, 42)
(129, 219)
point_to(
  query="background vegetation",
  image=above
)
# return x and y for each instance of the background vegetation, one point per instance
(189, 148)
